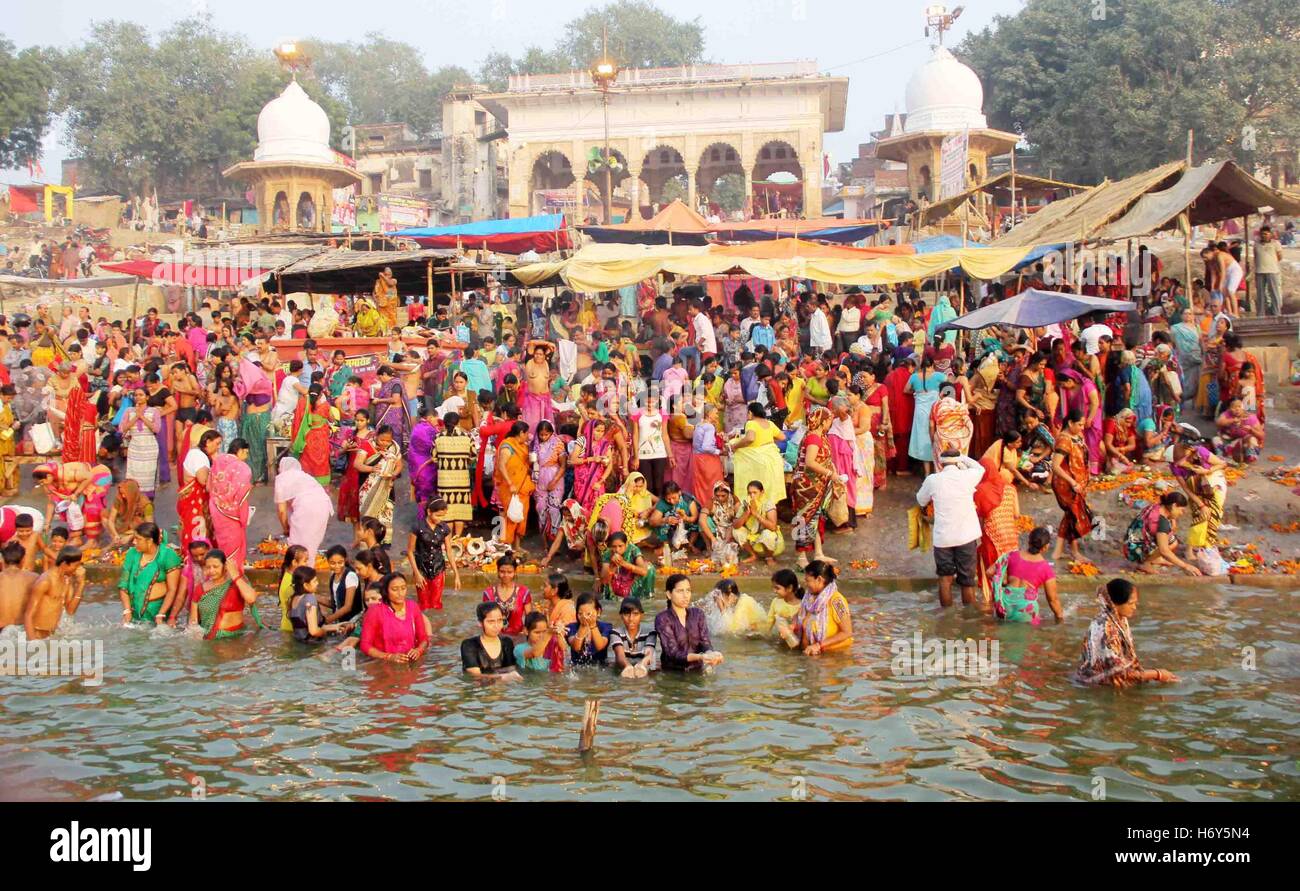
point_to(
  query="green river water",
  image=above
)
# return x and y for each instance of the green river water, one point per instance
(262, 717)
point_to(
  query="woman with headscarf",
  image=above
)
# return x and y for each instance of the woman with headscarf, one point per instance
(1120, 442)
(706, 457)
(864, 452)
(811, 487)
(901, 410)
(1070, 485)
(1079, 393)
(1207, 391)
(230, 483)
(311, 435)
(80, 437)
(424, 469)
(1140, 397)
(303, 505)
(842, 443)
(1200, 473)
(951, 426)
(591, 459)
(1231, 377)
(756, 456)
(1008, 408)
(550, 479)
(255, 390)
(680, 437)
(389, 404)
(983, 402)
(1109, 657)
(876, 398)
(380, 467)
(942, 312)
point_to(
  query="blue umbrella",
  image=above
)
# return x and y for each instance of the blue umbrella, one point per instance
(1035, 309)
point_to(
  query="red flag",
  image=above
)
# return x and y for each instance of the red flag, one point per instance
(34, 168)
(826, 165)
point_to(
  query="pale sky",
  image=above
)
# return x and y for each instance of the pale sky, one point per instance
(875, 43)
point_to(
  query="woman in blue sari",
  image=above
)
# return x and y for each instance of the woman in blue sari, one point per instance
(924, 386)
(1140, 394)
(942, 312)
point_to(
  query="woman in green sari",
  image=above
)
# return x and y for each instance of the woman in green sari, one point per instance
(624, 572)
(150, 578)
(226, 591)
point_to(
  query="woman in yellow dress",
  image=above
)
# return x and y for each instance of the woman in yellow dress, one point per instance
(756, 455)
(368, 322)
(627, 510)
(757, 529)
(823, 623)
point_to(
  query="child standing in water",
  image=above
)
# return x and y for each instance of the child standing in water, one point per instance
(633, 645)
(785, 605)
(544, 650)
(58, 589)
(428, 554)
(293, 558)
(561, 612)
(1108, 654)
(373, 595)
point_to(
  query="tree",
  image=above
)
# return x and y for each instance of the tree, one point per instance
(1112, 95)
(640, 36)
(169, 115)
(676, 188)
(24, 103)
(729, 191)
(384, 81)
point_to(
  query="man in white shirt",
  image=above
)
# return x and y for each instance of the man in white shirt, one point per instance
(819, 330)
(705, 339)
(1092, 335)
(956, 524)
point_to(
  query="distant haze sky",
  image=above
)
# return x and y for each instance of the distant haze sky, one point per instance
(875, 43)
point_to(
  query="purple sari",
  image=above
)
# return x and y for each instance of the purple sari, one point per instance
(548, 501)
(424, 470)
(392, 415)
(1078, 398)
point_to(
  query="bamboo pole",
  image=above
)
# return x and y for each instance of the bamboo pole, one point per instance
(135, 293)
(1245, 257)
(429, 287)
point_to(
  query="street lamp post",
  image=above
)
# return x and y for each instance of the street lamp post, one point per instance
(603, 74)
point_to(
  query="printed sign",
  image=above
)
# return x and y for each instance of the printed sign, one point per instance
(396, 212)
(952, 164)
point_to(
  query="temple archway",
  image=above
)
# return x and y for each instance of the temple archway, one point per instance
(720, 179)
(280, 211)
(595, 174)
(551, 171)
(662, 163)
(785, 196)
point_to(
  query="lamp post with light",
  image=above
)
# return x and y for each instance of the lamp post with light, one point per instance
(603, 74)
(292, 56)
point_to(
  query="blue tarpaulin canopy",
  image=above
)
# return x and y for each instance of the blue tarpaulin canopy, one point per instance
(544, 223)
(1035, 309)
(513, 236)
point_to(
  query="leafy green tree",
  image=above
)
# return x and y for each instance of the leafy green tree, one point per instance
(676, 188)
(729, 191)
(640, 36)
(380, 80)
(1109, 90)
(24, 103)
(170, 114)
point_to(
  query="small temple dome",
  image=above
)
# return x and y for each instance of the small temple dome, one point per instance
(943, 94)
(293, 128)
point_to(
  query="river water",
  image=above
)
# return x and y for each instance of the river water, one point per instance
(264, 718)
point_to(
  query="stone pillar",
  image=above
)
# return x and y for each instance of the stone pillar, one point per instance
(634, 190)
(692, 198)
(811, 161)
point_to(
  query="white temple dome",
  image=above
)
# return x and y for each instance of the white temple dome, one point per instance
(943, 94)
(293, 128)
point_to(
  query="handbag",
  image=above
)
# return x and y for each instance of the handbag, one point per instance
(837, 511)
(43, 441)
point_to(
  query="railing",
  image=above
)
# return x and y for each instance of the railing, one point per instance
(683, 74)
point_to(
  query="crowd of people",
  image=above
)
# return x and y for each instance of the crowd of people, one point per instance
(634, 431)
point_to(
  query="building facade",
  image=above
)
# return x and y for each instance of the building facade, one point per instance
(694, 124)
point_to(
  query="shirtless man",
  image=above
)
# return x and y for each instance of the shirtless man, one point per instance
(1222, 275)
(26, 538)
(412, 384)
(59, 386)
(185, 387)
(15, 585)
(57, 590)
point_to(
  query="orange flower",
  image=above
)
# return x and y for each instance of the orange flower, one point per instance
(1084, 568)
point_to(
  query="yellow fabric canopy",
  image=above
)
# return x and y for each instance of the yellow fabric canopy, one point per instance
(605, 267)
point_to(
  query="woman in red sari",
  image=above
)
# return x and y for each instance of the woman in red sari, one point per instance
(1230, 367)
(80, 442)
(361, 442)
(997, 504)
(192, 496)
(901, 408)
(230, 482)
(311, 441)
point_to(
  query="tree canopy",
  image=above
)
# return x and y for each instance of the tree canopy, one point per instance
(1106, 89)
(24, 103)
(169, 114)
(640, 36)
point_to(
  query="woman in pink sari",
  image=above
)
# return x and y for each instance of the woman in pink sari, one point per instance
(550, 479)
(844, 454)
(230, 481)
(591, 460)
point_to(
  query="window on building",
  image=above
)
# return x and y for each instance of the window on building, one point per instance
(766, 153)
(665, 157)
(731, 154)
(376, 139)
(480, 117)
(780, 152)
(426, 179)
(715, 155)
(376, 183)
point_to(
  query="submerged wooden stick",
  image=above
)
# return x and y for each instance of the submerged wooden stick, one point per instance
(587, 739)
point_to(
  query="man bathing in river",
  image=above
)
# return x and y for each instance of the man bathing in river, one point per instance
(57, 590)
(15, 585)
